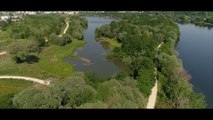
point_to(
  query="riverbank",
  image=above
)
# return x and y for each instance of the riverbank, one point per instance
(108, 43)
(195, 50)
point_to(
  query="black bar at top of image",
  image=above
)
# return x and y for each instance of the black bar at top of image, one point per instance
(115, 5)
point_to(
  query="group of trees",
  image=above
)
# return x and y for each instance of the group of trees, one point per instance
(201, 18)
(78, 25)
(35, 26)
(140, 34)
(78, 92)
(24, 50)
(42, 30)
(63, 40)
(175, 89)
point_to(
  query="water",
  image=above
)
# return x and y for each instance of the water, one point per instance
(94, 52)
(196, 52)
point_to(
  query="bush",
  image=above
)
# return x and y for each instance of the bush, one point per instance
(70, 93)
(24, 50)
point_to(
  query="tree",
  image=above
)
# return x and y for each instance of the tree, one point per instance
(41, 41)
(123, 94)
(53, 38)
(24, 50)
(132, 45)
(105, 31)
(97, 104)
(76, 92)
(168, 65)
(146, 80)
(121, 36)
(66, 39)
(181, 95)
(70, 93)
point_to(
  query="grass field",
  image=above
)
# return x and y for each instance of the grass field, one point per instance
(8, 88)
(50, 63)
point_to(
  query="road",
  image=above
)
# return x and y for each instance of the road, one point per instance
(153, 95)
(26, 78)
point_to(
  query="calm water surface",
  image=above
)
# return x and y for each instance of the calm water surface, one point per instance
(196, 52)
(94, 52)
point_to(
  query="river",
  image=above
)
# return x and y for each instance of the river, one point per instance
(195, 49)
(93, 55)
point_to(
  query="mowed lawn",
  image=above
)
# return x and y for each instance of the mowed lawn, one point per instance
(50, 64)
(10, 87)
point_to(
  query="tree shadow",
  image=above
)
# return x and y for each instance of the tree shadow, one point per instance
(32, 59)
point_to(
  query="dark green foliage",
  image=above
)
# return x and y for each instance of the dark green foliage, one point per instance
(121, 36)
(41, 41)
(93, 80)
(146, 80)
(132, 45)
(121, 76)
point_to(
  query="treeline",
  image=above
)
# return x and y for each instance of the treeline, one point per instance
(140, 34)
(82, 91)
(200, 18)
(43, 30)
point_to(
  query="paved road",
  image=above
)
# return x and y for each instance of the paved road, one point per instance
(26, 78)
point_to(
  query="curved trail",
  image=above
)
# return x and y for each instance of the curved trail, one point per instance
(65, 30)
(26, 78)
(153, 95)
(3, 53)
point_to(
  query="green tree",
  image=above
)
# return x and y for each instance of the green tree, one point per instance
(24, 50)
(70, 93)
(123, 94)
(146, 80)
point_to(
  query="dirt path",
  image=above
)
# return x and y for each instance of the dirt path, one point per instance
(65, 30)
(3, 53)
(26, 78)
(153, 95)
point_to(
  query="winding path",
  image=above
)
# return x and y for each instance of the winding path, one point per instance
(26, 78)
(153, 95)
(3, 53)
(65, 30)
